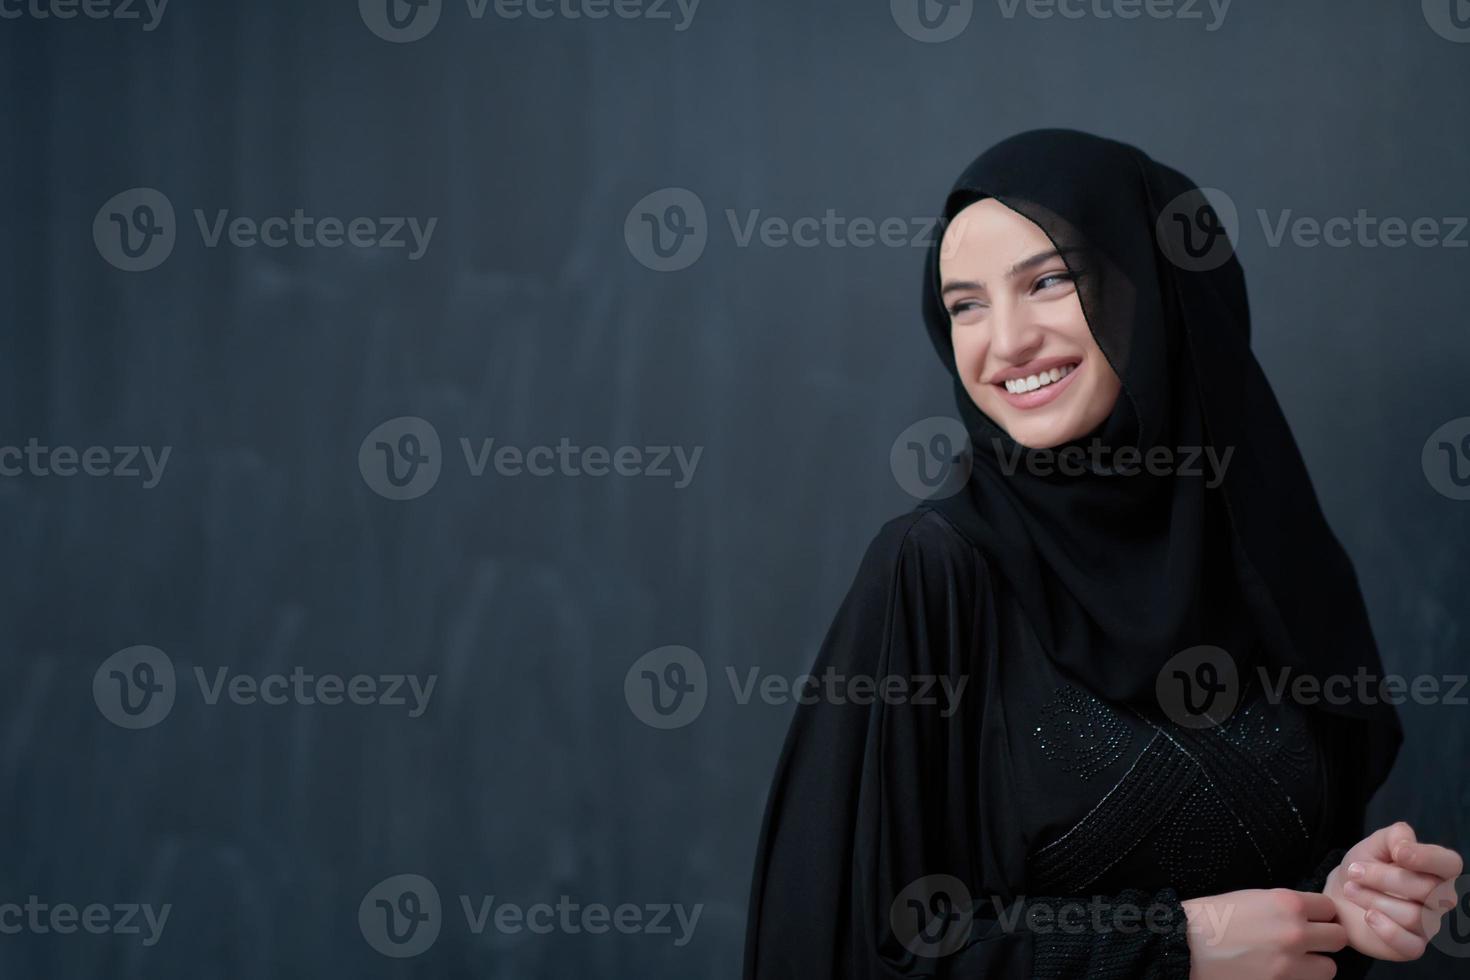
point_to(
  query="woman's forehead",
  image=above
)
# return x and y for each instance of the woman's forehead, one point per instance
(988, 237)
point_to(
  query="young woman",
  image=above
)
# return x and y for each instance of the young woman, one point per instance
(1122, 787)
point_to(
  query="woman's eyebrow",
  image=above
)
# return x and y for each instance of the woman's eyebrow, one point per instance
(1027, 263)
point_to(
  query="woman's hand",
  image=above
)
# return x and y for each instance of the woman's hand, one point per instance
(1391, 892)
(1264, 934)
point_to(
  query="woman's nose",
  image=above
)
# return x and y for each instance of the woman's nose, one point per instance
(1015, 336)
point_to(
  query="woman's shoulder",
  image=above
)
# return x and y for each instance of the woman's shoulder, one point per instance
(916, 603)
(926, 545)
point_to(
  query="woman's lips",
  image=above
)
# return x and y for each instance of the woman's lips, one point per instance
(1042, 395)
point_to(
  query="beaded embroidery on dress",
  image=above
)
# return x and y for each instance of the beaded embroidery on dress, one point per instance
(1199, 810)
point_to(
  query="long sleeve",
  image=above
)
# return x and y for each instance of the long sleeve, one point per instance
(892, 843)
(1344, 825)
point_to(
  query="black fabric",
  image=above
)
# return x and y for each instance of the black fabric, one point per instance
(1051, 602)
(1031, 793)
(1120, 573)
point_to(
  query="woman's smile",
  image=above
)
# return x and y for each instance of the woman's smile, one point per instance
(1038, 383)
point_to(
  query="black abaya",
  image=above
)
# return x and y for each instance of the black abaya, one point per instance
(1032, 790)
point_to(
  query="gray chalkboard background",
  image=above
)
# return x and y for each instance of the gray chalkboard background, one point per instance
(532, 317)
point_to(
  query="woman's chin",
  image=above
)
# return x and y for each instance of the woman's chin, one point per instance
(1039, 433)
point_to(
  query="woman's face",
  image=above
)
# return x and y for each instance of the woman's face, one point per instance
(1021, 343)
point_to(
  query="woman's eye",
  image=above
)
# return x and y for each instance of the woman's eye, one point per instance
(1053, 279)
(963, 306)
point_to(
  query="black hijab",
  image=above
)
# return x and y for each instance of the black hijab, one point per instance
(1120, 573)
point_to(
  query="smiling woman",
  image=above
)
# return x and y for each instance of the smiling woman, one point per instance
(1021, 341)
(1114, 756)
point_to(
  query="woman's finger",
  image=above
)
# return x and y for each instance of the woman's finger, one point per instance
(1430, 859)
(1325, 937)
(1380, 845)
(1407, 945)
(1443, 900)
(1315, 906)
(1392, 880)
(1410, 915)
(1317, 967)
(1396, 835)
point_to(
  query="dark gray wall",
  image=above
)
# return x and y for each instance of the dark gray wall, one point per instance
(529, 319)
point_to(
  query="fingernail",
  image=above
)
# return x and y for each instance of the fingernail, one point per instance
(1355, 870)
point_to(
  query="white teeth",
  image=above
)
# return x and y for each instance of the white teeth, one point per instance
(1017, 386)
